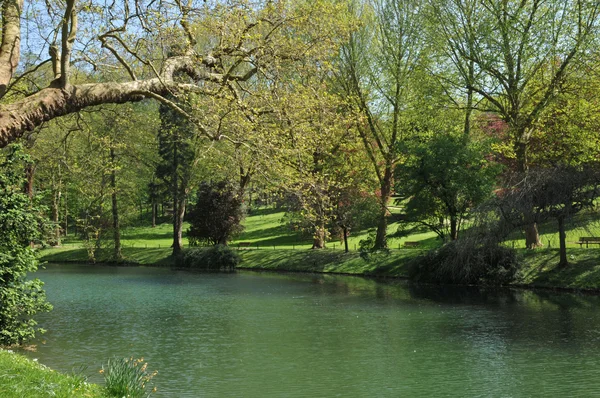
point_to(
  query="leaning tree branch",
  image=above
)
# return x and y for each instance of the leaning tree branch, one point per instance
(56, 100)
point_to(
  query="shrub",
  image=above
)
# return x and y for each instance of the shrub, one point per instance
(466, 262)
(366, 247)
(216, 215)
(127, 377)
(20, 224)
(214, 258)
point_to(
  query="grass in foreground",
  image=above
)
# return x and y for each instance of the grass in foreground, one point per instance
(21, 377)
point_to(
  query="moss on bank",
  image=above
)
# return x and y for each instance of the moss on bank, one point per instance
(21, 377)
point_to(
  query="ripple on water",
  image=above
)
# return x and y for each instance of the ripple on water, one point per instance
(262, 335)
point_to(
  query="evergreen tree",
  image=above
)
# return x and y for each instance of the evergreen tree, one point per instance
(176, 151)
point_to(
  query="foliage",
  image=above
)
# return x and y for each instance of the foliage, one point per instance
(20, 221)
(553, 193)
(214, 258)
(466, 262)
(217, 214)
(127, 377)
(367, 248)
(381, 78)
(442, 179)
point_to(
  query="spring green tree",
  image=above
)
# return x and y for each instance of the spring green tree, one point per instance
(443, 178)
(515, 57)
(379, 71)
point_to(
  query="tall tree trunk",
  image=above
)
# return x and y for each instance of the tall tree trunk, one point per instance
(177, 244)
(115, 210)
(55, 216)
(345, 231)
(532, 236)
(469, 106)
(386, 191)
(453, 227)
(66, 219)
(29, 178)
(154, 211)
(178, 215)
(562, 236)
(244, 181)
(319, 238)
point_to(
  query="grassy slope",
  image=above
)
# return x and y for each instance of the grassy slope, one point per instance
(282, 249)
(21, 377)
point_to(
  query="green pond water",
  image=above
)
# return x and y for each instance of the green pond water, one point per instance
(272, 335)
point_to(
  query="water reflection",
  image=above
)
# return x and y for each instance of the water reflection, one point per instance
(260, 335)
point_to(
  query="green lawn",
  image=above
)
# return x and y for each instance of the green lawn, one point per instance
(21, 377)
(263, 229)
(274, 246)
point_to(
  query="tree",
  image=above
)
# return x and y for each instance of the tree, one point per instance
(554, 193)
(20, 297)
(177, 153)
(442, 179)
(91, 169)
(379, 71)
(225, 46)
(217, 214)
(521, 52)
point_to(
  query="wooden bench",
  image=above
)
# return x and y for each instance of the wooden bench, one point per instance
(412, 244)
(587, 240)
(244, 244)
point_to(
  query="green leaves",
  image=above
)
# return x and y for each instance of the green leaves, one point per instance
(20, 224)
(442, 179)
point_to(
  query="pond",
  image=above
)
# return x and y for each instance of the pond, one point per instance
(273, 335)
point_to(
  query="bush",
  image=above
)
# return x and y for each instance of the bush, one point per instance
(127, 377)
(216, 216)
(214, 258)
(20, 224)
(466, 262)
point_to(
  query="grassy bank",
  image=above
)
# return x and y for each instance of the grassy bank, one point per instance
(329, 261)
(21, 377)
(538, 268)
(275, 247)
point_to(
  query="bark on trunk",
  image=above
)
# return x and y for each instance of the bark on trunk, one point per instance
(154, 211)
(453, 228)
(386, 191)
(345, 231)
(115, 210)
(29, 179)
(244, 181)
(319, 239)
(178, 205)
(66, 220)
(55, 216)
(178, 215)
(55, 100)
(11, 42)
(532, 236)
(562, 235)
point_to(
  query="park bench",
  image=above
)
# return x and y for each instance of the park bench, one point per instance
(587, 240)
(412, 244)
(244, 244)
